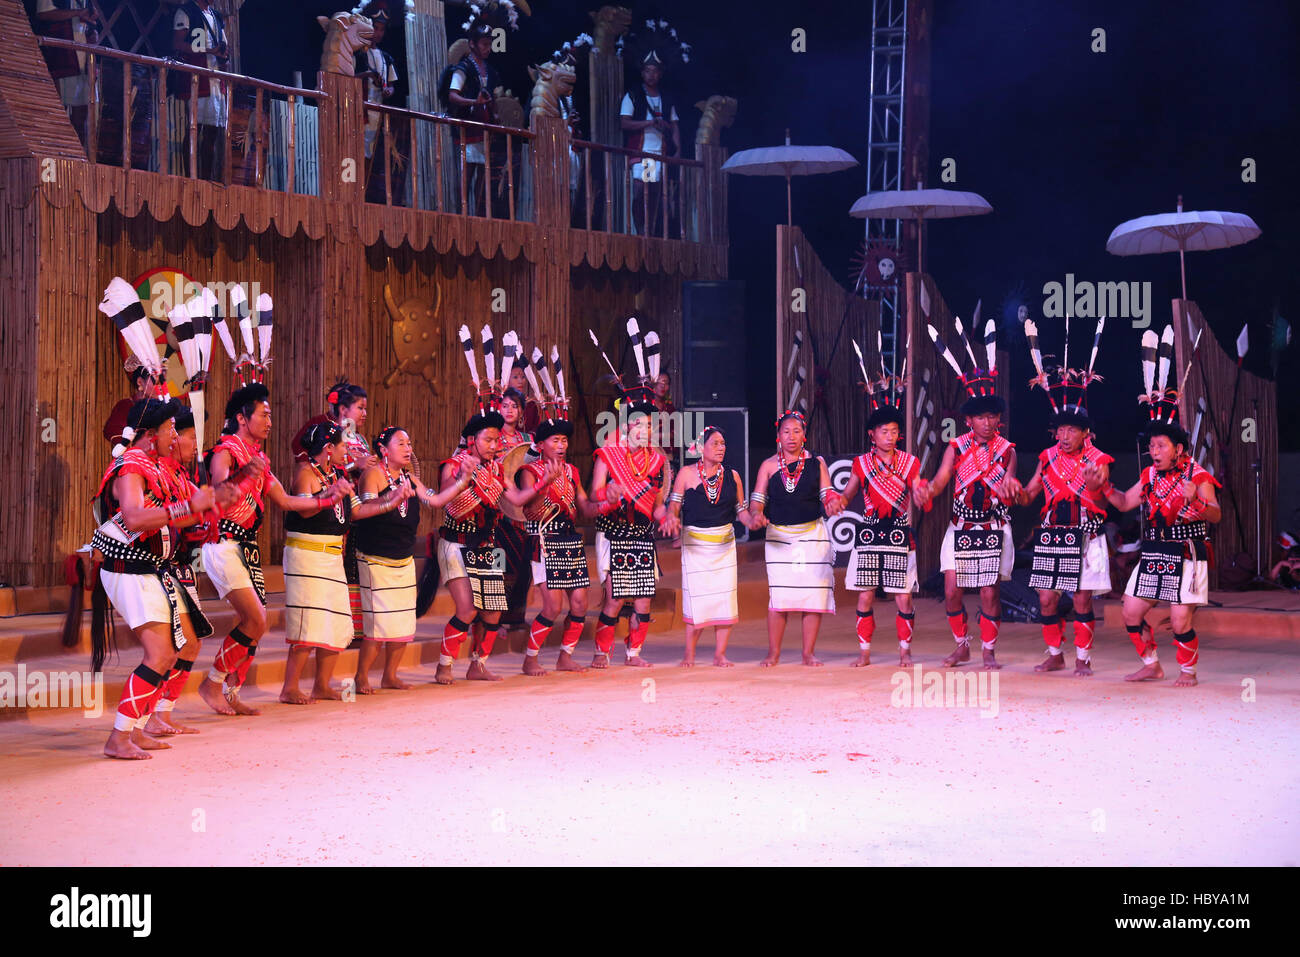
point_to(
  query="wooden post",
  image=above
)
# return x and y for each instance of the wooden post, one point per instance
(388, 164)
(226, 151)
(293, 143)
(194, 125)
(487, 174)
(126, 114)
(162, 127)
(92, 118)
(259, 138)
(413, 166)
(342, 137)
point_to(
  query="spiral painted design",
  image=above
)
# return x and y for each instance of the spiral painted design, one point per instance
(843, 529)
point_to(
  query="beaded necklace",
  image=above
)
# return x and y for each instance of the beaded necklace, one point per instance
(712, 486)
(326, 480)
(791, 479)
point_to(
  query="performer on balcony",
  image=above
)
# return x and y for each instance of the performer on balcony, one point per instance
(791, 491)
(630, 483)
(648, 117)
(1070, 553)
(707, 500)
(69, 20)
(884, 555)
(977, 549)
(474, 483)
(1178, 501)
(375, 67)
(199, 39)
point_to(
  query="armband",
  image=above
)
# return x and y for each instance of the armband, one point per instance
(178, 510)
(828, 490)
(367, 496)
(758, 498)
(675, 497)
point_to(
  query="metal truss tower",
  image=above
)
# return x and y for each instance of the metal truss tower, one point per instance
(885, 145)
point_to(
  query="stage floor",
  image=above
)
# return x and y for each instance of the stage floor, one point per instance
(740, 766)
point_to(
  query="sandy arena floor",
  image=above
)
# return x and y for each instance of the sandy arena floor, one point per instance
(740, 766)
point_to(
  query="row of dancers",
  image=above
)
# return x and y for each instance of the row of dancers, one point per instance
(352, 512)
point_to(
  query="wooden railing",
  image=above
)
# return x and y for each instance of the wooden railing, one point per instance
(493, 193)
(105, 76)
(619, 210)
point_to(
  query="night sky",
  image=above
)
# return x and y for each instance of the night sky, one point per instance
(1063, 142)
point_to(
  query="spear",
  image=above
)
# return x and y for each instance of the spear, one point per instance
(595, 342)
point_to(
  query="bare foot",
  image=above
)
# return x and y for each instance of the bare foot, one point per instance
(990, 662)
(812, 661)
(232, 698)
(771, 661)
(864, 659)
(119, 746)
(636, 661)
(1051, 662)
(565, 662)
(142, 740)
(959, 655)
(600, 660)
(1186, 680)
(294, 696)
(443, 675)
(213, 696)
(326, 693)
(1082, 668)
(532, 667)
(1151, 672)
(394, 683)
(160, 724)
(721, 661)
(905, 658)
(364, 687)
(477, 671)
(686, 663)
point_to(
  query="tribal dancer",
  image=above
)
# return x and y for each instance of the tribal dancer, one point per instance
(346, 406)
(706, 500)
(977, 549)
(512, 534)
(791, 491)
(474, 482)
(234, 562)
(385, 542)
(559, 556)
(144, 509)
(317, 613)
(184, 472)
(884, 555)
(629, 483)
(1178, 500)
(1070, 553)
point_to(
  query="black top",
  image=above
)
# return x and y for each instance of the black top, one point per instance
(697, 510)
(333, 520)
(803, 504)
(389, 534)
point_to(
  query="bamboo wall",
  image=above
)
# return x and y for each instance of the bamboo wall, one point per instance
(68, 227)
(1232, 396)
(837, 422)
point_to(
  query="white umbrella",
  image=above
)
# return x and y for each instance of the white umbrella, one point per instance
(1193, 231)
(789, 161)
(919, 204)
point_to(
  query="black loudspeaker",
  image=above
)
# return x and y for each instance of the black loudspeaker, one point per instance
(734, 425)
(713, 345)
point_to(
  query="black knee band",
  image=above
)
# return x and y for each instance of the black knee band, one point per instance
(145, 673)
(239, 637)
(906, 615)
(1133, 629)
(1051, 619)
(957, 614)
(997, 619)
(1084, 616)
(577, 619)
(495, 626)
(869, 613)
(458, 624)
(1187, 637)
(608, 619)
(544, 621)
(183, 665)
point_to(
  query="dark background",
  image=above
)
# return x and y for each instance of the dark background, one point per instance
(1064, 143)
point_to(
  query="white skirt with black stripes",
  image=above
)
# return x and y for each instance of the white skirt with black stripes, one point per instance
(317, 611)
